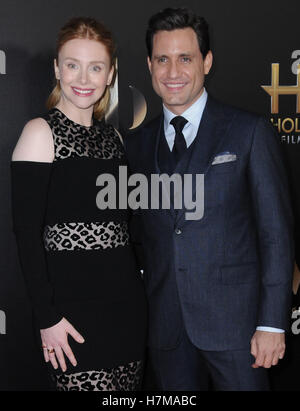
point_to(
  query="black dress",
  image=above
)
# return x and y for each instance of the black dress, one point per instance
(77, 260)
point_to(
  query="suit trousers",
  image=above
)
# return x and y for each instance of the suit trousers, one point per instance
(187, 368)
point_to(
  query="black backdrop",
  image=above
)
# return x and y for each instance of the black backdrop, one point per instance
(247, 37)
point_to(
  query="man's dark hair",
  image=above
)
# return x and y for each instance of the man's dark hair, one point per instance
(180, 18)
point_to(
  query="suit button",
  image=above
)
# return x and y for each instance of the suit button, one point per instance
(178, 231)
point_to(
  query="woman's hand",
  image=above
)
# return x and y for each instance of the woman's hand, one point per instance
(55, 343)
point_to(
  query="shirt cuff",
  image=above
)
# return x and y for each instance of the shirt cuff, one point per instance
(270, 329)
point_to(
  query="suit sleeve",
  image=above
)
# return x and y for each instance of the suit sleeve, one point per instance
(30, 181)
(293, 175)
(274, 222)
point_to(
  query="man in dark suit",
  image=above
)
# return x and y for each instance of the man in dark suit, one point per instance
(218, 287)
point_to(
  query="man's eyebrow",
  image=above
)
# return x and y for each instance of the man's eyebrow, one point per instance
(158, 56)
(187, 54)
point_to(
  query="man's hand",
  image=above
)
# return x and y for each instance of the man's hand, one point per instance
(267, 348)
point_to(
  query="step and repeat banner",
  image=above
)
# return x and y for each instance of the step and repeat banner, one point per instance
(256, 47)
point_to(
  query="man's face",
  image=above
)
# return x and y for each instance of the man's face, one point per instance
(177, 68)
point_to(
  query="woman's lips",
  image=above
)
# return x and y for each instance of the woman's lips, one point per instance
(83, 92)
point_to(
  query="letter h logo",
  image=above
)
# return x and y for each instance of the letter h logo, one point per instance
(275, 90)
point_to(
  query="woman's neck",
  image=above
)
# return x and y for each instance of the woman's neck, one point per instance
(78, 115)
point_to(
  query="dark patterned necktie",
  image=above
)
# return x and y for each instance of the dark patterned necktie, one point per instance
(179, 147)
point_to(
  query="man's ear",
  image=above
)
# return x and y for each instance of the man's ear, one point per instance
(149, 64)
(208, 62)
(56, 70)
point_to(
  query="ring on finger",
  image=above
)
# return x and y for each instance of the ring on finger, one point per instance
(51, 350)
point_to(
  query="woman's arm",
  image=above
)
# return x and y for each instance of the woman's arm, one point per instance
(35, 143)
(31, 173)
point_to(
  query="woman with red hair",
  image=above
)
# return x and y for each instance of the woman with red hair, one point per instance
(78, 263)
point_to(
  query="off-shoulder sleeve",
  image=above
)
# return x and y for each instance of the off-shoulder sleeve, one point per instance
(30, 182)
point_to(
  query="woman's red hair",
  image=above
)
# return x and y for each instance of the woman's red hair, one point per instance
(86, 28)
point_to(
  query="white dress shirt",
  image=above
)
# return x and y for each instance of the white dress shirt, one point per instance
(194, 115)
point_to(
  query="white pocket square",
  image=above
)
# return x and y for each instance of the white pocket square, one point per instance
(224, 158)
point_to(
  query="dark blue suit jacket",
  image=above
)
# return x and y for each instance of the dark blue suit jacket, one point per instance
(223, 275)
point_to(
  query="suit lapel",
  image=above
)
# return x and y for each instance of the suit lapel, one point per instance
(150, 165)
(211, 132)
(160, 133)
(150, 145)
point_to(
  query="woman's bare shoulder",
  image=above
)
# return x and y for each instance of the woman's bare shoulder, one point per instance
(35, 142)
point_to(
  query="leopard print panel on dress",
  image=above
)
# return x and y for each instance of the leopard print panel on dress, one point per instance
(73, 140)
(122, 378)
(85, 236)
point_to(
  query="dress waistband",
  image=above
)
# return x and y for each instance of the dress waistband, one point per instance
(85, 236)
